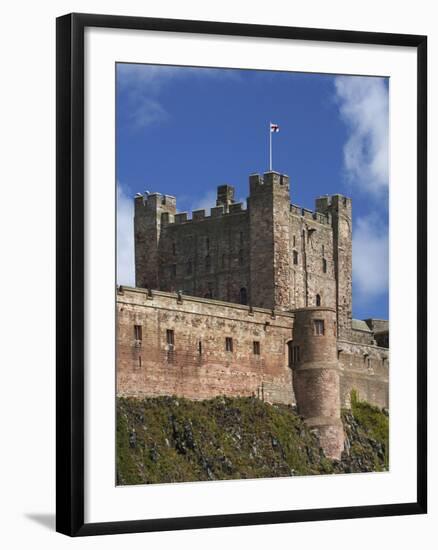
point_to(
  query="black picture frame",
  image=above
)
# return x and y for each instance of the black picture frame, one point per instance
(70, 273)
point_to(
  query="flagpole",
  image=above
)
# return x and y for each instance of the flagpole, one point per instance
(270, 148)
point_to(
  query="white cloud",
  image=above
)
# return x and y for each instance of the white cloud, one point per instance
(143, 84)
(370, 258)
(205, 202)
(125, 238)
(147, 112)
(363, 105)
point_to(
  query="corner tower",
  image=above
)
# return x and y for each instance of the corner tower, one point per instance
(341, 214)
(151, 212)
(269, 236)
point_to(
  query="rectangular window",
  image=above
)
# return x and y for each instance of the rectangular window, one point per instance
(170, 337)
(228, 344)
(324, 265)
(294, 241)
(138, 332)
(256, 348)
(295, 256)
(139, 362)
(318, 325)
(200, 347)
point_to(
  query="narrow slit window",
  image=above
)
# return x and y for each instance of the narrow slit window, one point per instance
(256, 347)
(295, 257)
(324, 265)
(240, 257)
(295, 355)
(318, 300)
(138, 333)
(228, 344)
(139, 362)
(170, 337)
(199, 347)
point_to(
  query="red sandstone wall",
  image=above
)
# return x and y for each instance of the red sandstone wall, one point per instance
(365, 369)
(150, 368)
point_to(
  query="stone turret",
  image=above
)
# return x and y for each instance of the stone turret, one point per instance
(341, 215)
(152, 211)
(316, 376)
(269, 248)
(225, 196)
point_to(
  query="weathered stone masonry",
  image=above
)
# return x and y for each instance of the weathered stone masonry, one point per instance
(193, 361)
(252, 301)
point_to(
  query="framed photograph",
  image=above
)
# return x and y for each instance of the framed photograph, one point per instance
(241, 220)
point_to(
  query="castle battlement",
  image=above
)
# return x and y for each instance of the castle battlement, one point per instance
(201, 215)
(325, 219)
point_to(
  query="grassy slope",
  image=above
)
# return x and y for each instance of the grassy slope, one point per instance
(169, 439)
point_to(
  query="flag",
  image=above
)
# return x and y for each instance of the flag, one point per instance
(274, 128)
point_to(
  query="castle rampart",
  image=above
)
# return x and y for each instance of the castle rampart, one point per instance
(199, 348)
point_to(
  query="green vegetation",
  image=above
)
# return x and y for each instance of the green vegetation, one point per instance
(367, 427)
(169, 439)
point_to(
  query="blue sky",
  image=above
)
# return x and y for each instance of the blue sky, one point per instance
(183, 131)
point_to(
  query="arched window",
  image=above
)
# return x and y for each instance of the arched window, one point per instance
(243, 296)
(318, 300)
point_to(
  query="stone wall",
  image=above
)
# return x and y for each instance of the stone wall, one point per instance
(364, 368)
(198, 365)
(312, 266)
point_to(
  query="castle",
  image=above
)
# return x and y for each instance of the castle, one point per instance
(254, 301)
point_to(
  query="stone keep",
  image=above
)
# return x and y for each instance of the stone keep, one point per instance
(274, 255)
(264, 275)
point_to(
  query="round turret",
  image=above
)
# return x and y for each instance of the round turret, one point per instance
(316, 375)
